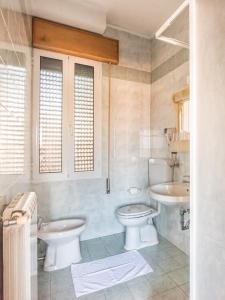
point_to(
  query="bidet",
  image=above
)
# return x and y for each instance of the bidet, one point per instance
(63, 240)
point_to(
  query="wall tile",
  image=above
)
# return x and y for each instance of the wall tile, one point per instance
(130, 148)
(170, 73)
(134, 51)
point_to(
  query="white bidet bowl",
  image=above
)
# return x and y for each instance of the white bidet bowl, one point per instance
(63, 240)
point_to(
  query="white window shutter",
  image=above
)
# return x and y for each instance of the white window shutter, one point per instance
(12, 118)
(83, 118)
(50, 116)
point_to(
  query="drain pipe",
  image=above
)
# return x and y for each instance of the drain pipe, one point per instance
(185, 224)
(41, 258)
(155, 214)
(109, 133)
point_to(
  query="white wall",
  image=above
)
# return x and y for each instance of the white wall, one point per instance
(208, 149)
(170, 73)
(15, 33)
(130, 147)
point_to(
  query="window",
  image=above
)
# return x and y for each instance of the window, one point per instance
(12, 113)
(67, 113)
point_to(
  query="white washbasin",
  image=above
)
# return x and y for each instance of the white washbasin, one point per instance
(170, 193)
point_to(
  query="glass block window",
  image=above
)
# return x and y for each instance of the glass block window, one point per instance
(12, 118)
(50, 115)
(83, 118)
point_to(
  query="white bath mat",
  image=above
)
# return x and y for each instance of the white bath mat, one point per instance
(96, 275)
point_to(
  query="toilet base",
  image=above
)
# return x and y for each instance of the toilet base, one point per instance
(61, 256)
(140, 237)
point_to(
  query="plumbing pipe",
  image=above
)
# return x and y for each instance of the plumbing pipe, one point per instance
(109, 133)
(184, 225)
(41, 258)
(157, 212)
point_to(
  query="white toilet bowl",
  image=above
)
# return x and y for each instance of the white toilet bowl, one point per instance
(63, 239)
(140, 231)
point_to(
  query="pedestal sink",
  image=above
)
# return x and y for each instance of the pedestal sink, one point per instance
(170, 193)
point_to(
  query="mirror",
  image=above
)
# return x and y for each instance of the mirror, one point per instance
(184, 117)
(181, 100)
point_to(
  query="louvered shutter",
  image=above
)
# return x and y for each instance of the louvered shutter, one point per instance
(12, 116)
(83, 118)
(50, 116)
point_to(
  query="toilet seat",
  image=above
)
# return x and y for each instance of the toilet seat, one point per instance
(134, 210)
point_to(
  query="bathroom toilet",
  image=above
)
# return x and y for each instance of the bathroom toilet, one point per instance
(137, 218)
(63, 242)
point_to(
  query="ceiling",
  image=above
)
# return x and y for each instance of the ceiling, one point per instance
(142, 17)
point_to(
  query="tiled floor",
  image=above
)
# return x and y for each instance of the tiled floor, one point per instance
(169, 281)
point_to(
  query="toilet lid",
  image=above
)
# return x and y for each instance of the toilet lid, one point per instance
(134, 210)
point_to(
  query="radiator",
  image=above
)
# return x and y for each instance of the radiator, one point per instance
(20, 248)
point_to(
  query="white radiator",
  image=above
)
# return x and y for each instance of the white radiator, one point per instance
(20, 248)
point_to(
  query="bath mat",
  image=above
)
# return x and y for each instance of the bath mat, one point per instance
(96, 275)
